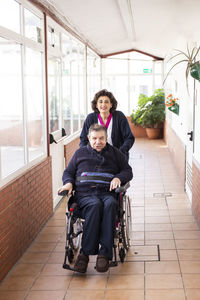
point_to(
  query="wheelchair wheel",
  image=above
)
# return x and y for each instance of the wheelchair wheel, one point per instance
(122, 254)
(126, 221)
(76, 233)
(70, 255)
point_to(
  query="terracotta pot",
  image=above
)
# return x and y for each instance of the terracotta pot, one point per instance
(138, 131)
(153, 133)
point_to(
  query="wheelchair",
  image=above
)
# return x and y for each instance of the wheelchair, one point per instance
(74, 229)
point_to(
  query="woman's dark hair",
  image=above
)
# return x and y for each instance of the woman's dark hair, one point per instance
(104, 93)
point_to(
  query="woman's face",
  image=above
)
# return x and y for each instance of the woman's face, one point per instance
(103, 104)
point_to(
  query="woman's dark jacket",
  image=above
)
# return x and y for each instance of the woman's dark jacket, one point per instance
(86, 159)
(122, 137)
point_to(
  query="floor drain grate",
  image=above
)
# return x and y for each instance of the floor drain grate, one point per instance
(143, 253)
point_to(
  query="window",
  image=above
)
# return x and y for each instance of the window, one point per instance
(33, 28)
(34, 103)
(22, 115)
(128, 75)
(67, 79)
(10, 15)
(12, 151)
(93, 76)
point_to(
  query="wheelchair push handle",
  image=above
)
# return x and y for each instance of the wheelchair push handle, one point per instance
(122, 188)
(63, 193)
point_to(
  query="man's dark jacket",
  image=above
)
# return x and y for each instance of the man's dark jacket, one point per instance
(86, 159)
(122, 137)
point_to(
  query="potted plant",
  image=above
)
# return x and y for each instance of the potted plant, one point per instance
(150, 113)
(192, 66)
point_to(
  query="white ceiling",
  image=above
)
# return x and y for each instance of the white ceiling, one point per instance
(152, 26)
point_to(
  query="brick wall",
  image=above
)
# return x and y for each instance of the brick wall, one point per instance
(70, 149)
(196, 190)
(25, 206)
(177, 150)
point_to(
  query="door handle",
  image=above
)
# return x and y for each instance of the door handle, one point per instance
(191, 135)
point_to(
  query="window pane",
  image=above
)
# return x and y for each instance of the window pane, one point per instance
(139, 84)
(116, 66)
(34, 100)
(140, 67)
(10, 15)
(33, 29)
(54, 93)
(93, 77)
(66, 87)
(118, 86)
(158, 67)
(53, 38)
(158, 82)
(11, 120)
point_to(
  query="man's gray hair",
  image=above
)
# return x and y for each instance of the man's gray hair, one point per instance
(97, 127)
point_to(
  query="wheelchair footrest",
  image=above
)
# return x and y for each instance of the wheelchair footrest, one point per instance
(66, 266)
(113, 264)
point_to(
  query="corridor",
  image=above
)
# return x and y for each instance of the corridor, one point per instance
(163, 262)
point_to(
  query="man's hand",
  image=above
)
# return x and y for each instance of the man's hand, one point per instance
(68, 186)
(115, 183)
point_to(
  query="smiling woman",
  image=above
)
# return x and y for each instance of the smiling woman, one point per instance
(119, 133)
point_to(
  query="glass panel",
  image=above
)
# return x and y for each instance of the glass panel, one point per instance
(158, 82)
(11, 112)
(33, 28)
(93, 77)
(116, 66)
(53, 37)
(66, 44)
(82, 83)
(118, 85)
(34, 100)
(10, 15)
(158, 67)
(54, 93)
(66, 83)
(139, 84)
(140, 67)
(75, 85)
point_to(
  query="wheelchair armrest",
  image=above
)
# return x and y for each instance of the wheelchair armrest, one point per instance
(122, 188)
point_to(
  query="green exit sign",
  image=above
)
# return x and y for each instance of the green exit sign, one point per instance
(147, 70)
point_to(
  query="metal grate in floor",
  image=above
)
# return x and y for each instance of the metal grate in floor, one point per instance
(143, 253)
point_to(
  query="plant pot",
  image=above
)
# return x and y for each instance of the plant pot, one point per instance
(174, 108)
(153, 133)
(195, 70)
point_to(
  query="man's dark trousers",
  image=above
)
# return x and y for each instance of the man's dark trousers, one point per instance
(99, 212)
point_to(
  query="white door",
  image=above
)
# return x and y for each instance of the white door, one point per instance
(190, 136)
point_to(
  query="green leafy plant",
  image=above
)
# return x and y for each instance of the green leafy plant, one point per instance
(150, 112)
(188, 57)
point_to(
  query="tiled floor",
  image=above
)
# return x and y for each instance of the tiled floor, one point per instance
(161, 216)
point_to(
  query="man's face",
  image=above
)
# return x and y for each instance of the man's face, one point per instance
(97, 140)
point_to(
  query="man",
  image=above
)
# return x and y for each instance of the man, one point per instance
(94, 172)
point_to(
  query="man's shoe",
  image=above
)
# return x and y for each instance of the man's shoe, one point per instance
(102, 263)
(81, 263)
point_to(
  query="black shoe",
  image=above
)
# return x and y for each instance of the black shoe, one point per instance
(81, 263)
(102, 263)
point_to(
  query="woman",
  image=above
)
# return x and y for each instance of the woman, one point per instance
(119, 133)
